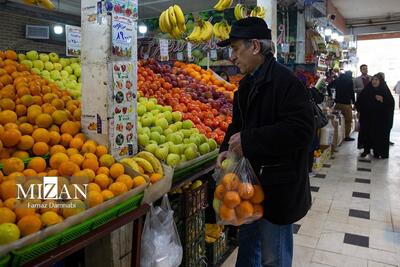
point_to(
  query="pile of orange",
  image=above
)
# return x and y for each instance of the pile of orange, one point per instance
(237, 202)
(37, 118)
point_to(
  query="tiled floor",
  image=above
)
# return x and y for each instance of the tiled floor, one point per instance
(355, 217)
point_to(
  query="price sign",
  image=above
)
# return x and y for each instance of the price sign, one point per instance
(213, 54)
(122, 36)
(179, 56)
(73, 40)
(164, 56)
(189, 51)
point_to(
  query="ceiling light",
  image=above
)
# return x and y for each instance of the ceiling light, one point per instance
(142, 29)
(58, 29)
(335, 36)
(328, 32)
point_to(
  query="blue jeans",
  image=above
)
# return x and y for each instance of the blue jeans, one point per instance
(265, 244)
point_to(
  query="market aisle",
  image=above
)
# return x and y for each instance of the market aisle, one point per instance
(355, 217)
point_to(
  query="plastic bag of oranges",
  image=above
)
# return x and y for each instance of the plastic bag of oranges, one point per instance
(238, 197)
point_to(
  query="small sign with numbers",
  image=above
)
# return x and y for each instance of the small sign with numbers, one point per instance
(164, 56)
(122, 36)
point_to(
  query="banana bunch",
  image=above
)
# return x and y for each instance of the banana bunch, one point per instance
(41, 3)
(258, 11)
(202, 32)
(223, 4)
(221, 30)
(172, 21)
(145, 160)
(240, 12)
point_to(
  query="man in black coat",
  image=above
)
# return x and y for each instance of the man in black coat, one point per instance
(272, 126)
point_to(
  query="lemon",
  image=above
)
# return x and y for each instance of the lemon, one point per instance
(9, 233)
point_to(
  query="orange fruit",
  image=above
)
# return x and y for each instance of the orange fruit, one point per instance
(77, 114)
(59, 116)
(58, 104)
(90, 164)
(26, 99)
(7, 104)
(20, 110)
(116, 170)
(90, 156)
(10, 125)
(50, 218)
(258, 196)
(103, 170)
(226, 214)
(89, 147)
(54, 128)
(155, 177)
(118, 188)
(38, 164)
(94, 187)
(10, 54)
(13, 165)
(107, 194)
(11, 203)
(7, 215)
(11, 137)
(29, 224)
(106, 160)
(20, 154)
(231, 199)
(57, 149)
(246, 190)
(77, 159)
(26, 128)
(76, 143)
(65, 139)
(101, 150)
(24, 211)
(52, 173)
(68, 168)
(72, 151)
(57, 159)
(258, 211)
(41, 135)
(54, 138)
(244, 210)
(29, 173)
(70, 127)
(26, 142)
(102, 180)
(219, 192)
(138, 180)
(94, 198)
(90, 173)
(50, 206)
(126, 179)
(231, 181)
(40, 149)
(81, 136)
(44, 120)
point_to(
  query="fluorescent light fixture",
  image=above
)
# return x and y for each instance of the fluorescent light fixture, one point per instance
(340, 39)
(142, 29)
(58, 29)
(335, 36)
(328, 32)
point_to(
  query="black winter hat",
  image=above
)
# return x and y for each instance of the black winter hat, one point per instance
(248, 28)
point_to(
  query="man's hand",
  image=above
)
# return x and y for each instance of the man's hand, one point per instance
(379, 98)
(221, 157)
(235, 144)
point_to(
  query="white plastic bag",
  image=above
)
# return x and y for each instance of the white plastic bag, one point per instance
(161, 246)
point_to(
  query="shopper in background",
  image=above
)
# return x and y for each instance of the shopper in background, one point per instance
(318, 98)
(361, 81)
(376, 107)
(272, 127)
(344, 98)
(382, 77)
(224, 76)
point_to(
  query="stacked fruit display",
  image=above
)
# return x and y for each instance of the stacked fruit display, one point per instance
(223, 4)
(166, 135)
(65, 72)
(240, 11)
(172, 21)
(146, 163)
(258, 12)
(210, 111)
(39, 119)
(221, 30)
(202, 32)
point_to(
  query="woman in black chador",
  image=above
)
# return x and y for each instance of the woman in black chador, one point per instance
(376, 107)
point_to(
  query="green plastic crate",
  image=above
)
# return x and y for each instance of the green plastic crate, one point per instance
(5, 260)
(24, 255)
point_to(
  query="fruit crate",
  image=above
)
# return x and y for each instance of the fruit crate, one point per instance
(24, 255)
(194, 254)
(5, 260)
(189, 202)
(192, 228)
(216, 250)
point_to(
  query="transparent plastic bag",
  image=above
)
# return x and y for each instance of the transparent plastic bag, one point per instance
(161, 246)
(238, 197)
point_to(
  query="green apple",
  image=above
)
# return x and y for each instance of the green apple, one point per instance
(35, 70)
(69, 69)
(72, 77)
(54, 57)
(173, 127)
(64, 74)
(151, 148)
(176, 116)
(78, 71)
(183, 158)
(186, 141)
(38, 64)
(146, 120)
(149, 106)
(186, 133)
(177, 139)
(156, 136)
(27, 63)
(45, 73)
(154, 100)
(32, 55)
(187, 124)
(213, 145)
(168, 116)
(161, 152)
(64, 62)
(167, 132)
(155, 111)
(143, 139)
(143, 100)
(173, 160)
(75, 65)
(204, 148)
(163, 123)
(178, 125)
(44, 57)
(163, 139)
(21, 57)
(60, 84)
(55, 75)
(166, 108)
(194, 138)
(74, 60)
(203, 138)
(49, 66)
(228, 164)
(158, 107)
(146, 130)
(191, 153)
(57, 66)
(157, 129)
(141, 109)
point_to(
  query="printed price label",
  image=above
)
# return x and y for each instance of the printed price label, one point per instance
(179, 56)
(213, 54)
(122, 36)
(164, 56)
(73, 40)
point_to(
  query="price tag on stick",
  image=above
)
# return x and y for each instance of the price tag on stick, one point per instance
(164, 56)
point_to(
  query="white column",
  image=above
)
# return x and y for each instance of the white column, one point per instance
(270, 15)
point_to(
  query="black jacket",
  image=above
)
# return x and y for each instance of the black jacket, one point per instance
(273, 114)
(344, 90)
